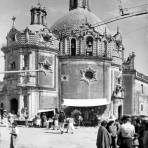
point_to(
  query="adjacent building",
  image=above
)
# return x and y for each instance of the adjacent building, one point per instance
(136, 89)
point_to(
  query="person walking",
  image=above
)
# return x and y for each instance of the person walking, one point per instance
(61, 120)
(14, 135)
(127, 132)
(43, 120)
(103, 137)
(55, 121)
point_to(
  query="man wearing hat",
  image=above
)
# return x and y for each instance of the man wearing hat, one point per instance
(103, 137)
(127, 132)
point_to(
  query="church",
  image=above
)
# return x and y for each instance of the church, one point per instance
(76, 63)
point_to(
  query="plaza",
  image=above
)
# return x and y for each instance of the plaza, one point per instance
(83, 137)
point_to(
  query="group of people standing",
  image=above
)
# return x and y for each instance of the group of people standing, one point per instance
(123, 134)
(57, 122)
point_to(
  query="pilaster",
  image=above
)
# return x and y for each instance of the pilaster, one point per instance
(21, 103)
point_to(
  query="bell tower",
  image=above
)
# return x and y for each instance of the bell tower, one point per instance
(74, 4)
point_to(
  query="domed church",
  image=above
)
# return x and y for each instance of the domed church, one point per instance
(76, 64)
(90, 62)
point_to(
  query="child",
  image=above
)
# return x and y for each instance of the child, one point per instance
(14, 135)
(70, 126)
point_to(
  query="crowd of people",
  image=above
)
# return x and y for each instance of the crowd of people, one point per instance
(58, 122)
(124, 133)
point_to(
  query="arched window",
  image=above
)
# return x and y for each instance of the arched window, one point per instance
(2, 106)
(105, 49)
(141, 107)
(26, 61)
(13, 65)
(142, 88)
(89, 46)
(38, 15)
(26, 101)
(42, 19)
(73, 47)
(14, 106)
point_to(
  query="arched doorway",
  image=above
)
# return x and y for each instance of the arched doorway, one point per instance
(14, 106)
(119, 111)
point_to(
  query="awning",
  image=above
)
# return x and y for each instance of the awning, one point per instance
(45, 110)
(85, 102)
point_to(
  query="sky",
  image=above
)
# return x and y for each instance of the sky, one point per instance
(134, 30)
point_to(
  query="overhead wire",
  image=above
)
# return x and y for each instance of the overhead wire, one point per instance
(117, 17)
(120, 17)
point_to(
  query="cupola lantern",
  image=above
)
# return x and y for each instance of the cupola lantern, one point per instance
(38, 15)
(74, 4)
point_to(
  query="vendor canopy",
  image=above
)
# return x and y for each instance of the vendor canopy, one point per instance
(45, 110)
(85, 102)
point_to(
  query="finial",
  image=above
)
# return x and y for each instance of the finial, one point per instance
(118, 29)
(105, 32)
(13, 21)
(86, 21)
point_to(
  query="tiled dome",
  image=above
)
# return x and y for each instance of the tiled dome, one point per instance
(76, 18)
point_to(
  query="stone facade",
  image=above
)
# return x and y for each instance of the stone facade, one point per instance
(136, 89)
(31, 72)
(90, 61)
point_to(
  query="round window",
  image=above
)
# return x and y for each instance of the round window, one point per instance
(64, 77)
(89, 74)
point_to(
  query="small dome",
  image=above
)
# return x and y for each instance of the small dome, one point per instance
(75, 19)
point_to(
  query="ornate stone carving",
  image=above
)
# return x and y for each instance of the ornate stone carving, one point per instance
(88, 75)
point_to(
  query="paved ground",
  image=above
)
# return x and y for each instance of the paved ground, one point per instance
(83, 137)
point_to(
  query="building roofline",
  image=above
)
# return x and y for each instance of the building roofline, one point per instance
(141, 77)
(138, 76)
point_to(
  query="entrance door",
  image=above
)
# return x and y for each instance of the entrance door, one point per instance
(14, 106)
(120, 111)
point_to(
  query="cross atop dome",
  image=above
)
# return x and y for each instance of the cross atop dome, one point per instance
(74, 4)
(13, 21)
